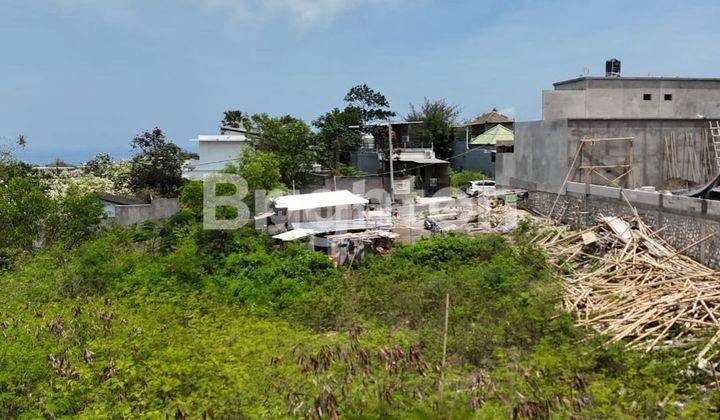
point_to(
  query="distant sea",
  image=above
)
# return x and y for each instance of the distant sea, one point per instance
(36, 154)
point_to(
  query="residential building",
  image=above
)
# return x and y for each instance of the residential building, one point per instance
(416, 168)
(215, 152)
(475, 144)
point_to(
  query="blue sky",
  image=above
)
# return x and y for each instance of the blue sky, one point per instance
(79, 77)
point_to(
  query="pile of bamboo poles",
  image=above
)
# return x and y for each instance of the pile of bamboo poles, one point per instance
(624, 281)
(688, 156)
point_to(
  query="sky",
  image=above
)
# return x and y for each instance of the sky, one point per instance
(79, 77)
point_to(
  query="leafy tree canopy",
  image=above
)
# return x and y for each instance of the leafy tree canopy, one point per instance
(157, 164)
(235, 119)
(438, 118)
(292, 144)
(261, 170)
(335, 138)
(99, 166)
(372, 104)
(29, 217)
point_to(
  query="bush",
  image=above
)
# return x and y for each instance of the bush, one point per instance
(166, 319)
(461, 179)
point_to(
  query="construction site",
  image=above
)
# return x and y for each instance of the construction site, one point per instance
(620, 180)
(622, 175)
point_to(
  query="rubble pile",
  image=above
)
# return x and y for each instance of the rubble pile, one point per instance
(624, 281)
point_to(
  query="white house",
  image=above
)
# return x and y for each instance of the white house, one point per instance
(216, 151)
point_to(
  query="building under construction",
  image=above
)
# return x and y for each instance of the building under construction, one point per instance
(637, 147)
(660, 126)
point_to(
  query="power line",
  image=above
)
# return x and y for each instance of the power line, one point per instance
(403, 170)
(350, 176)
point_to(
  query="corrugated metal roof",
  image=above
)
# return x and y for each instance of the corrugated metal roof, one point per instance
(326, 226)
(493, 135)
(319, 200)
(294, 235)
(421, 160)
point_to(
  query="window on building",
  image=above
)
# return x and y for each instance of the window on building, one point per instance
(647, 97)
(668, 97)
(492, 157)
(505, 149)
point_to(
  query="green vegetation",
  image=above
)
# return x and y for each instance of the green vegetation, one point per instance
(157, 164)
(461, 179)
(438, 117)
(166, 319)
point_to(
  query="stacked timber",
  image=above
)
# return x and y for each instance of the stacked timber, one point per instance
(624, 281)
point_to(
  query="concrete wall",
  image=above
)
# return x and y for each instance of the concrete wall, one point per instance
(366, 161)
(683, 220)
(215, 154)
(476, 159)
(544, 150)
(540, 157)
(650, 163)
(504, 165)
(623, 98)
(160, 208)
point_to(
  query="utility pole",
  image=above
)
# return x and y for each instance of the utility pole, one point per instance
(390, 159)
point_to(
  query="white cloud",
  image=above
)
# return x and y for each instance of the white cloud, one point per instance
(305, 13)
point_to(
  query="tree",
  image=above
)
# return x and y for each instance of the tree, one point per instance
(30, 217)
(191, 196)
(438, 118)
(23, 209)
(371, 104)
(59, 163)
(73, 218)
(99, 166)
(16, 169)
(261, 170)
(157, 164)
(292, 144)
(335, 137)
(235, 119)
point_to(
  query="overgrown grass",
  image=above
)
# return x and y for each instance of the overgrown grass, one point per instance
(170, 320)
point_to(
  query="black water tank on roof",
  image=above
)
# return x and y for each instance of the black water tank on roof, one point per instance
(612, 68)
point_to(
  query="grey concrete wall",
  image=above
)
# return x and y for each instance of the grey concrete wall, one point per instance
(504, 165)
(683, 220)
(161, 208)
(544, 151)
(540, 157)
(649, 157)
(476, 159)
(623, 98)
(366, 161)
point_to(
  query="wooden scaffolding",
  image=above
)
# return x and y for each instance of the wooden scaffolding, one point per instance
(596, 166)
(593, 166)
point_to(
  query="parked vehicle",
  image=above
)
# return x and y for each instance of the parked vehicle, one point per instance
(480, 187)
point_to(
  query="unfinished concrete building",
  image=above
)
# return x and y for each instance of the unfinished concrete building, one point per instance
(666, 122)
(618, 146)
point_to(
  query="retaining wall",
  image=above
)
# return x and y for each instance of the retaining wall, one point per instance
(160, 208)
(680, 220)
